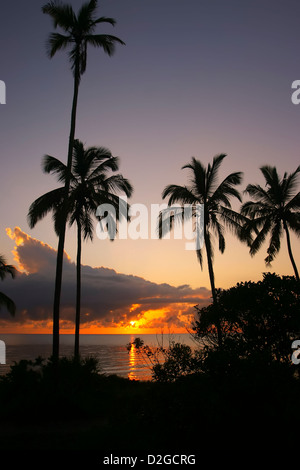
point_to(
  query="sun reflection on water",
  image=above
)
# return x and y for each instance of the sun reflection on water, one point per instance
(133, 361)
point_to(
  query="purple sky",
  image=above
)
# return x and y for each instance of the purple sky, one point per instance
(196, 78)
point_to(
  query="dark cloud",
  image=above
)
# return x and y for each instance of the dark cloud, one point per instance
(108, 298)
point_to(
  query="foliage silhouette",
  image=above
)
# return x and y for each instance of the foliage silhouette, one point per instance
(167, 364)
(272, 211)
(259, 321)
(79, 33)
(218, 214)
(91, 411)
(247, 384)
(92, 182)
(29, 384)
(6, 269)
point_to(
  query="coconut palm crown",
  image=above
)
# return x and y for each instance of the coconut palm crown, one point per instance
(92, 182)
(273, 210)
(217, 211)
(79, 33)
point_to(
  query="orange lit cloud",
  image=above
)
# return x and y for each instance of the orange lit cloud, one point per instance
(111, 302)
(25, 245)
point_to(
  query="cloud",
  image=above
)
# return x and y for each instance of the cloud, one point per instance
(109, 298)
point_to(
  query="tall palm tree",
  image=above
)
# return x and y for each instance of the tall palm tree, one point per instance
(6, 269)
(275, 209)
(91, 184)
(78, 34)
(217, 212)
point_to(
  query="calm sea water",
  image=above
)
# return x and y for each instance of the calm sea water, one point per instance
(111, 350)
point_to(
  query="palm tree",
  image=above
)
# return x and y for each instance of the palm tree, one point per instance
(79, 33)
(90, 185)
(6, 269)
(274, 210)
(217, 212)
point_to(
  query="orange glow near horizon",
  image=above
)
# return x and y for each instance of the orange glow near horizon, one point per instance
(29, 329)
(152, 322)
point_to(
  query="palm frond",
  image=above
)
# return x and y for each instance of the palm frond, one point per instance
(6, 269)
(57, 42)
(61, 14)
(219, 231)
(209, 246)
(100, 168)
(168, 217)
(86, 223)
(117, 183)
(260, 237)
(105, 19)
(179, 194)
(53, 165)
(274, 244)
(46, 203)
(235, 222)
(289, 184)
(271, 176)
(226, 189)
(293, 221)
(257, 211)
(104, 41)
(258, 193)
(8, 303)
(200, 257)
(118, 204)
(198, 178)
(85, 16)
(96, 155)
(212, 173)
(294, 203)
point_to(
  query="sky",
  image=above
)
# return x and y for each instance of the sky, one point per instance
(195, 78)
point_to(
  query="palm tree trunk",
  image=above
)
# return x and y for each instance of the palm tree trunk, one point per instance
(61, 241)
(212, 279)
(210, 270)
(78, 291)
(290, 251)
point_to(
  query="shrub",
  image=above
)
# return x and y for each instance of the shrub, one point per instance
(167, 364)
(259, 321)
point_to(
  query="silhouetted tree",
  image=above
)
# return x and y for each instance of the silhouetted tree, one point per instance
(259, 321)
(7, 269)
(203, 189)
(79, 33)
(274, 210)
(91, 184)
(167, 364)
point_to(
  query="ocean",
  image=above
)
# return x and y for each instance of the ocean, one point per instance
(111, 350)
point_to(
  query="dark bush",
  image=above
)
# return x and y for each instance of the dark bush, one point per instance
(259, 321)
